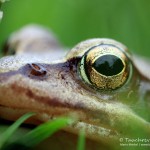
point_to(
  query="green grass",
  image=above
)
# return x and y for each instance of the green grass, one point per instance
(81, 140)
(36, 135)
(4, 137)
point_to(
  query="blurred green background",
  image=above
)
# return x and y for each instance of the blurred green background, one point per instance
(127, 21)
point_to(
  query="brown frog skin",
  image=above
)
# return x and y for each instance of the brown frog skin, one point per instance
(40, 77)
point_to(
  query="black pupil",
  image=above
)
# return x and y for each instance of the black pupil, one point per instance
(108, 65)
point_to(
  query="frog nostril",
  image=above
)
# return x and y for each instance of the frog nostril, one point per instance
(37, 70)
(35, 66)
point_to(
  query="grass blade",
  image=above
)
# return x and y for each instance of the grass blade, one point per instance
(4, 137)
(81, 140)
(43, 131)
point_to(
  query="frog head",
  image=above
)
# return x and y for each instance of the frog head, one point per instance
(98, 82)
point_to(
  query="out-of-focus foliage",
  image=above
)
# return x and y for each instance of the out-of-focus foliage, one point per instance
(127, 21)
(1, 13)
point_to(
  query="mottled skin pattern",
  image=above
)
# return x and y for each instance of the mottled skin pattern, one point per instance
(40, 78)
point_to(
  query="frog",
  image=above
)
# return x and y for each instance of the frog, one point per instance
(98, 82)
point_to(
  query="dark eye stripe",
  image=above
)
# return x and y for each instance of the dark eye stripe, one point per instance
(108, 65)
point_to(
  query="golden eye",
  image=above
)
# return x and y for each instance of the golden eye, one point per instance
(105, 66)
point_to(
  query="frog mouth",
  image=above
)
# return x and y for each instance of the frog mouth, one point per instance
(93, 132)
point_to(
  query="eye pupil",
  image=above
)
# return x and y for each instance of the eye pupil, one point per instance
(108, 65)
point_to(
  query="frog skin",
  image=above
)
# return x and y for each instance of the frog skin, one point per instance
(40, 77)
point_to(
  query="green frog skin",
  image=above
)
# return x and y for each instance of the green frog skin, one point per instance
(98, 82)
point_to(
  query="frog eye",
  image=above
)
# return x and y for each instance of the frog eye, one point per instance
(105, 67)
